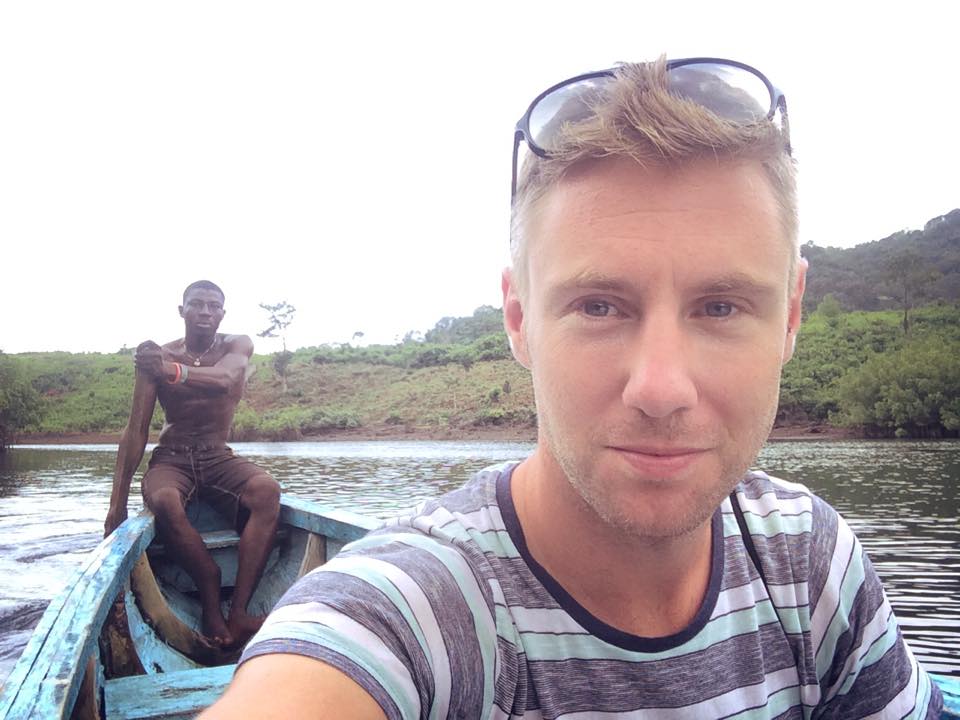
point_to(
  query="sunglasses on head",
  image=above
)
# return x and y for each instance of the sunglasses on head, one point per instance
(731, 90)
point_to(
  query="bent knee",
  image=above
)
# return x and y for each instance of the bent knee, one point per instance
(261, 493)
(165, 502)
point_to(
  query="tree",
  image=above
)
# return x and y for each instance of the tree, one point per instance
(908, 276)
(281, 315)
(829, 308)
(484, 321)
(20, 404)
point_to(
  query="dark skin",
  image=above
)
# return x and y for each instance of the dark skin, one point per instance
(198, 412)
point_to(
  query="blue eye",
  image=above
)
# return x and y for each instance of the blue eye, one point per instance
(598, 308)
(718, 309)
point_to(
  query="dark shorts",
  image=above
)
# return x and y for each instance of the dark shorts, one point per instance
(214, 475)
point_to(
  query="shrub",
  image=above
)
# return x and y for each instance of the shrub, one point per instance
(914, 391)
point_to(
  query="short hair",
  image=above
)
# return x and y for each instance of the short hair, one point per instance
(203, 285)
(638, 117)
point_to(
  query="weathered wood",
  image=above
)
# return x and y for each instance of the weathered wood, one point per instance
(213, 540)
(950, 687)
(333, 548)
(222, 545)
(12, 691)
(168, 627)
(47, 680)
(340, 525)
(279, 575)
(171, 695)
(155, 655)
(117, 651)
(314, 554)
(170, 574)
(87, 706)
(96, 591)
(49, 685)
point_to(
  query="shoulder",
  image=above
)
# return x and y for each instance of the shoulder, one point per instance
(464, 525)
(776, 506)
(854, 653)
(794, 510)
(438, 552)
(240, 344)
(795, 532)
(413, 594)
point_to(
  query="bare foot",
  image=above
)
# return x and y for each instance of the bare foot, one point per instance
(215, 629)
(242, 626)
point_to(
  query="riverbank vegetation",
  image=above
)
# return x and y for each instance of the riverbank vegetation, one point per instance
(878, 356)
(20, 404)
(855, 370)
(860, 370)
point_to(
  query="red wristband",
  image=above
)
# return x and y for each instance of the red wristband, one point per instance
(177, 374)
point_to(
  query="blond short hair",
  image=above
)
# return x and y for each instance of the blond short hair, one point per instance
(639, 118)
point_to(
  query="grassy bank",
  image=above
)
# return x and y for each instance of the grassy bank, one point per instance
(363, 399)
(854, 374)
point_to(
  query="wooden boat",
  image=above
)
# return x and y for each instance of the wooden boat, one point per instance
(121, 640)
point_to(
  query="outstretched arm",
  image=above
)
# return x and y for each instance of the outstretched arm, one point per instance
(286, 686)
(133, 441)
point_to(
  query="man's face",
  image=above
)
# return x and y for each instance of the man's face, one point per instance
(202, 310)
(655, 326)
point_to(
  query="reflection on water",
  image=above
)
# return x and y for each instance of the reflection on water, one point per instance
(900, 498)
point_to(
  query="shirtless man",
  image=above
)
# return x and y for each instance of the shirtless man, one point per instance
(198, 380)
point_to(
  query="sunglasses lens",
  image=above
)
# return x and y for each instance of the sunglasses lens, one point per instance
(731, 92)
(569, 103)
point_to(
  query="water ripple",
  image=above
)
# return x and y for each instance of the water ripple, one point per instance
(901, 499)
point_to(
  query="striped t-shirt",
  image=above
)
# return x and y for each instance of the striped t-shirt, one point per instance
(444, 614)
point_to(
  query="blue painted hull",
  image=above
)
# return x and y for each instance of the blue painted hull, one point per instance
(122, 639)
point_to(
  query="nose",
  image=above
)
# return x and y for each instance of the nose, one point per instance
(660, 379)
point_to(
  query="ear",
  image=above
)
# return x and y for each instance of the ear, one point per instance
(795, 310)
(180, 309)
(513, 318)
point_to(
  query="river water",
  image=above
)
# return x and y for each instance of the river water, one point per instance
(901, 498)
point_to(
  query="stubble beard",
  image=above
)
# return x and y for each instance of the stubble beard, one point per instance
(580, 471)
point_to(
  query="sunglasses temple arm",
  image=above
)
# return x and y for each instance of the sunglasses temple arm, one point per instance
(785, 123)
(516, 151)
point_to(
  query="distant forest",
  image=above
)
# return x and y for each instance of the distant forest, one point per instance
(871, 275)
(879, 355)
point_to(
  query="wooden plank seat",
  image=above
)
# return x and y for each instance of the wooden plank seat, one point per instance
(181, 694)
(215, 540)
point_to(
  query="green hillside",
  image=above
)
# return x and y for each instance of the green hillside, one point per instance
(856, 370)
(870, 276)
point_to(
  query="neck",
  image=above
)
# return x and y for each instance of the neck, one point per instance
(651, 587)
(196, 342)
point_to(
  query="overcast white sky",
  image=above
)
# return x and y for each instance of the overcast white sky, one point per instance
(354, 158)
